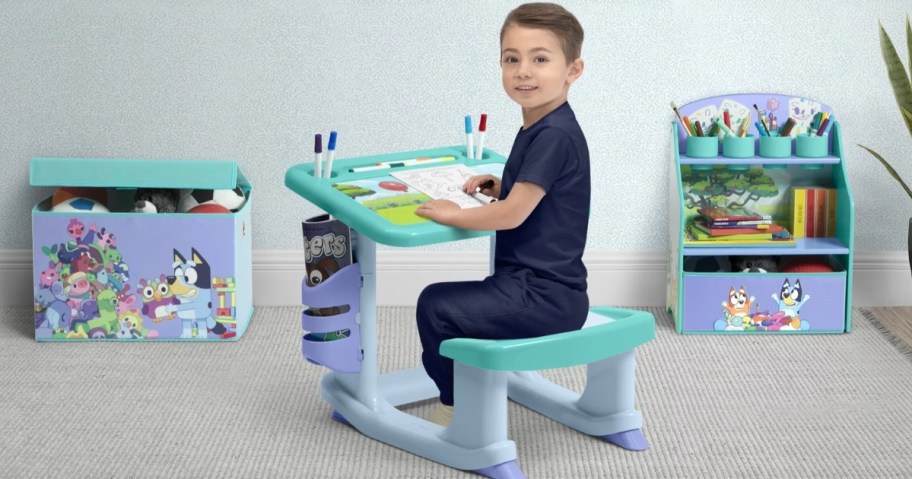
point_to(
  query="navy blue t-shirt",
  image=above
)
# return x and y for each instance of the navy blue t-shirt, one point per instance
(553, 154)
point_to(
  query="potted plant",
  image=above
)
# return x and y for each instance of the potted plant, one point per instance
(902, 89)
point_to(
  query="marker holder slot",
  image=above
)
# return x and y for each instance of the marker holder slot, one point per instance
(338, 299)
(775, 146)
(702, 146)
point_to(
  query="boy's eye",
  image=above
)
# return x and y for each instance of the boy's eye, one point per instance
(509, 59)
(541, 59)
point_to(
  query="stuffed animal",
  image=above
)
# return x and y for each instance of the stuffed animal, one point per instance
(156, 200)
(754, 264)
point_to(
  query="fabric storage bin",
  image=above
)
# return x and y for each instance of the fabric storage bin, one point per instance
(711, 302)
(103, 271)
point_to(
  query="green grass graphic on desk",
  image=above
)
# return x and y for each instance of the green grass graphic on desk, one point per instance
(397, 209)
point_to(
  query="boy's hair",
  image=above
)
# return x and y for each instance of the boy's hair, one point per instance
(552, 17)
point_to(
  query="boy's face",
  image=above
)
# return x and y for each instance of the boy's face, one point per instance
(536, 73)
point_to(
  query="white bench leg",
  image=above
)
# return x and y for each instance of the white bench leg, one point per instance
(480, 415)
(605, 409)
(610, 392)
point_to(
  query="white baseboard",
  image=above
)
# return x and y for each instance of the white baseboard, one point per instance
(615, 278)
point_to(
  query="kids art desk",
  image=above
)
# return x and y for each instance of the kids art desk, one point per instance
(380, 209)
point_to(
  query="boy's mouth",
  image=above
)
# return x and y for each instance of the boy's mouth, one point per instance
(525, 88)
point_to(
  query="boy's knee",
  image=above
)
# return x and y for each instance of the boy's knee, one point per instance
(428, 300)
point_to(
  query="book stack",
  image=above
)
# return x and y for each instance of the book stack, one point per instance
(727, 226)
(813, 212)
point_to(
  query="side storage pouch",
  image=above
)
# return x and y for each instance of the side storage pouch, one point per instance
(334, 338)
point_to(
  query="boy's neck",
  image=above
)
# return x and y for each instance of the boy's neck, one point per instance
(532, 115)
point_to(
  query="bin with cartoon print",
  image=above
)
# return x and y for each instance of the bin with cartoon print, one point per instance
(764, 302)
(135, 250)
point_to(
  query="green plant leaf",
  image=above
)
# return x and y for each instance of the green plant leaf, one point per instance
(909, 44)
(899, 79)
(890, 169)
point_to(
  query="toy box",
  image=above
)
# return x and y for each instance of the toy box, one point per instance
(759, 302)
(102, 270)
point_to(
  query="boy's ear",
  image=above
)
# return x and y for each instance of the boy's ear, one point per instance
(576, 69)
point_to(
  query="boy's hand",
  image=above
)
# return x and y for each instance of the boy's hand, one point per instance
(489, 184)
(441, 211)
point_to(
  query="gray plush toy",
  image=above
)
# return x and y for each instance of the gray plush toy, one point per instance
(156, 200)
(754, 264)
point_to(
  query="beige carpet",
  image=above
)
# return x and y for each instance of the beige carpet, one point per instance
(819, 406)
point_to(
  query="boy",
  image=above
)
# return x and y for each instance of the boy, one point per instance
(539, 281)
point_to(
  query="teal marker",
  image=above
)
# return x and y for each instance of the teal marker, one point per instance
(724, 127)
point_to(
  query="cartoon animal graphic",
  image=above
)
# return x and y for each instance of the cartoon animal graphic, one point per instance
(156, 297)
(57, 312)
(191, 285)
(106, 239)
(106, 323)
(736, 310)
(50, 275)
(133, 323)
(790, 300)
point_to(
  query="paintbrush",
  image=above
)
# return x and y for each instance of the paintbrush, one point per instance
(678, 114)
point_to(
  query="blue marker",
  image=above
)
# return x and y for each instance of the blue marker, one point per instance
(468, 131)
(327, 172)
(760, 129)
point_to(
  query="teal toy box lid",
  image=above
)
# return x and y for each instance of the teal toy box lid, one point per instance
(133, 173)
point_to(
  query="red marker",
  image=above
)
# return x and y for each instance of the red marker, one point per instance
(726, 118)
(482, 128)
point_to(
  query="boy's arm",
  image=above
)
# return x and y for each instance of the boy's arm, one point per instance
(500, 215)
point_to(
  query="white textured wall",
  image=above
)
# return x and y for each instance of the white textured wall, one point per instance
(252, 82)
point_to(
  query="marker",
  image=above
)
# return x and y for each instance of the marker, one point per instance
(401, 163)
(327, 172)
(724, 127)
(318, 155)
(688, 126)
(483, 197)
(727, 118)
(761, 129)
(699, 128)
(478, 195)
(482, 127)
(468, 131)
(787, 127)
(760, 118)
(823, 126)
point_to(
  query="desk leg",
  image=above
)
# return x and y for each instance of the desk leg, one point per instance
(366, 251)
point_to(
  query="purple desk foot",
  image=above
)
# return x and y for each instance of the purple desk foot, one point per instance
(632, 440)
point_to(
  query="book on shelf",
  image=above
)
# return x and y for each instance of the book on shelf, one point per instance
(738, 224)
(694, 236)
(813, 212)
(713, 230)
(732, 213)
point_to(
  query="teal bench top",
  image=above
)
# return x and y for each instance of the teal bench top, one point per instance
(621, 330)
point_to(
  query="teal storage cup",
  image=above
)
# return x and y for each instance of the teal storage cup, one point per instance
(811, 146)
(702, 146)
(775, 146)
(738, 146)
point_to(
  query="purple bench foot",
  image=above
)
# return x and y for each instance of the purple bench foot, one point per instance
(506, 470)
(338, 417)
(632, 440)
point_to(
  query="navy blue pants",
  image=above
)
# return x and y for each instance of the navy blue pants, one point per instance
(503, 306)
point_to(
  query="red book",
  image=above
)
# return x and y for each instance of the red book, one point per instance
(820, 214)
(771, 228)
(810, 202)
